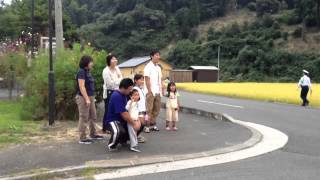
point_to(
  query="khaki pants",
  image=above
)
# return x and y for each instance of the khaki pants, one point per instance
(153, 107)
(87, 116)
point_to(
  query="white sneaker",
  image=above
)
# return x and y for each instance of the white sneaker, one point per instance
(147, 130)
(135, 149)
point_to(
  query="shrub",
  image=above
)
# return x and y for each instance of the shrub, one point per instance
(252, 6)
(289, 18)
(285, 35)
(14, 62)
(297, 33)
(267, 6)
(35, 102)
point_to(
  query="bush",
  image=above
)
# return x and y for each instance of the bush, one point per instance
(35, 102)
(14, 62)
(285, 36)
(267, 6)
(310, 21)
(252, 6)
(289, 18)
(297, 33)
(267, 21)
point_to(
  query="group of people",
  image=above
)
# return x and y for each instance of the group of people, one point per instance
(131, 106)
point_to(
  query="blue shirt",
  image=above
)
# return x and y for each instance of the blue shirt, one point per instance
(88, 81)
(117, 105)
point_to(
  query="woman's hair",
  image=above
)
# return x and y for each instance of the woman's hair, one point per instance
(168, 88)
(134, 91)
(137, 77)
(84, 61)
(108, 59)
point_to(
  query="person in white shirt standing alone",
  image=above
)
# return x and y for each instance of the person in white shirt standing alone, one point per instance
(153, 81)
(305, 85)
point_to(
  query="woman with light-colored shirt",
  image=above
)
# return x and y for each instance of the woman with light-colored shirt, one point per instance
(111, 79)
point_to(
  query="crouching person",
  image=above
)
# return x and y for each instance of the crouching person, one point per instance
(118, 117)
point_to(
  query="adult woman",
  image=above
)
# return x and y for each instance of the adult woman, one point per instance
(111, 77)
(85, 101)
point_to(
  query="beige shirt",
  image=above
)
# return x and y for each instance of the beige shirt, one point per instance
(111, 79)
(153, 71)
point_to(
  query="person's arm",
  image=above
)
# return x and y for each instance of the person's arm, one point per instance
(148, 84)
(310, 87)
(147, 78)
(128, 106)
(83, 91)
(299, 83)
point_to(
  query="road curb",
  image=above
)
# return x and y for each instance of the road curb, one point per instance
(255, 138)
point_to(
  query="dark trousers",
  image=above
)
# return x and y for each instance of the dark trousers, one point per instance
(119, 133)
(304, 94)
(106, 106)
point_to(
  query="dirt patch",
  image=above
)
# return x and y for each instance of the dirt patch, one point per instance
(61, 132)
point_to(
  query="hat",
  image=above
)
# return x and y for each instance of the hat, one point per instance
(305, 71)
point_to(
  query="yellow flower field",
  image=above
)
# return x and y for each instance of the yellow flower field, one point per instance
(273, 92)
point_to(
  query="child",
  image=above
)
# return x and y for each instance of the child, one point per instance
(132, 107)
(138, 85)
(172, 107)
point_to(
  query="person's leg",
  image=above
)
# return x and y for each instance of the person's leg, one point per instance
(114, 128)
(92, 118)
(156, 111)
(133, 136)
(83, 117)
(303, 95)
(168, 117)
(174, 119)
(149, 103)
(307, 91)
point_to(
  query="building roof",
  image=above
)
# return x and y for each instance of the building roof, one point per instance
(203, 68)
(134, 62)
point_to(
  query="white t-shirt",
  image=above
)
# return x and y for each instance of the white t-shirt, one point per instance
(142, 101)
(132, 108)
(153, 71)
(111, 79)
(305, 81)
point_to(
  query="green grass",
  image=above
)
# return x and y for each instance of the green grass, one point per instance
(12, 128)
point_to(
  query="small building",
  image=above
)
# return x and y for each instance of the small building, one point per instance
(181, 75)
(136, 65)
(204, 73)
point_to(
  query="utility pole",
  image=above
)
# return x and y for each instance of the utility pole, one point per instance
(59, 25)
(218, 63)
(32, 29)
(51, 72)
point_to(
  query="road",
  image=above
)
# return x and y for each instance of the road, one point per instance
(299, 159)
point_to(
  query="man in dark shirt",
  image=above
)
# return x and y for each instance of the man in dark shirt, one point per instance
(118, 117)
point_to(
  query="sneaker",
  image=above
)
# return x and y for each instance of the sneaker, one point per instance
(147, 130)
(141, 139)
(85, 141)
(97, 137)
(168, 128)
(174, 129)
(155, 128)
(135, 149)
(112, 149)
